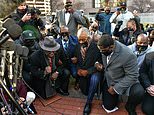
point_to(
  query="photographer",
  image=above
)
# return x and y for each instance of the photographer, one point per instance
(122, 14)
(103, 20)
(28, 19)
(128, 35)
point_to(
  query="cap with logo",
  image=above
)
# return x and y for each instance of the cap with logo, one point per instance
(28, 35)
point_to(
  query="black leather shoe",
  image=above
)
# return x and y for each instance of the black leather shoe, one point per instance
(87, 109)
(60, 91)
(130, 109)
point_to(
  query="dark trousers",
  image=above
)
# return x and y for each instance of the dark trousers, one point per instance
(135, 97)
(148, 104)
(63, 80)
(89, 84)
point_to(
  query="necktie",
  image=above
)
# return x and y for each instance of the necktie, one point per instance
(50, 63)
(65, 46)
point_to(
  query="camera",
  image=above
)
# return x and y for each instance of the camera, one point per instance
(33, 11)
(120, 23)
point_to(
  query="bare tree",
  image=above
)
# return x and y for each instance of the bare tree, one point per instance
(7, 6)
(142, 6)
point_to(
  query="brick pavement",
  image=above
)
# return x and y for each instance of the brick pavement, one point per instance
(74, 106)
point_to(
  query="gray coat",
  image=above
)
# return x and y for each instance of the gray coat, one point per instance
(121, 72)
(74, 20)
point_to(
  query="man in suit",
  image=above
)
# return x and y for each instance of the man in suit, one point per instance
(120, 75)
(68, 17)
(87, 55)
(147, 81)
(66, 52)
(45, 69)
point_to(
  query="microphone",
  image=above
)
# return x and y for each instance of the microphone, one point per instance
(11, 29)
(4, 39)
(8, 22)
(29, 99)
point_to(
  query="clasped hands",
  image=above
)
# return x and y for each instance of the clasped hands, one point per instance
(82, 72)
(99, 66)
(48, 70)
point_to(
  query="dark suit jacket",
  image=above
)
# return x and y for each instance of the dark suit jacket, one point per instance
(66, 57)
(92, 55)
(147, 70)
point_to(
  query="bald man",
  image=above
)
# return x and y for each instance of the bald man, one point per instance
(103, 20)
(140, 47)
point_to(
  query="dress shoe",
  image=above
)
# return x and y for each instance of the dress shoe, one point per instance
(130, 109)
(87, 109)
(60, 91)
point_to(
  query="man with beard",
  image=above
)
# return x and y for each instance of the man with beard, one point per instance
(120, 75)
(103, 20)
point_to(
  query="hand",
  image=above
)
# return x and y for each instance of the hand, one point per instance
(84, 73)
(74, 60)
(60, 62)
(150, 90)
(54, 75)
(79, 72)
(98, 66)
(47, 70)
(117, 12)
(71, 10)
(26, 17)
(111, 90)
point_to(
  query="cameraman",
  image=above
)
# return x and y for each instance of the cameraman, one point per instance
(122, 14)
(28, 19)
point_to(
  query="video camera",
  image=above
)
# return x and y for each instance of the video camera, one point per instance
(33, 11)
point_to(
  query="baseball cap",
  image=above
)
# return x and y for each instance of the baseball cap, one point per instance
(28, 34)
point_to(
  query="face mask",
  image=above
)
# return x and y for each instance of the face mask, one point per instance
(107, 53)
(141, 48)
(123, 10)
(84, 44)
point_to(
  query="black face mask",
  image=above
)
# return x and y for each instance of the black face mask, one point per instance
(107, 53)
(85, 44)
(65, 38)
(141, 48)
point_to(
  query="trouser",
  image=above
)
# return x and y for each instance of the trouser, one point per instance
(62, 80)
(135, 97)
(148, 104)
(89, 84)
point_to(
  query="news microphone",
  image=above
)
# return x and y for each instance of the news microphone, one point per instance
(12, 31)
(4, 39)
(8, 22)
